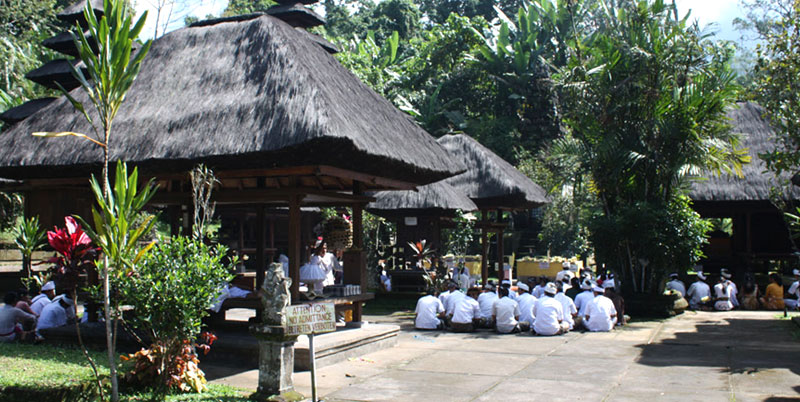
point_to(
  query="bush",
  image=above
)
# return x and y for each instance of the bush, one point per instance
(171, 289)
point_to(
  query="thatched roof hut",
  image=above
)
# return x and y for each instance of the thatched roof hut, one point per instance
(490, 181)
(757, 136)
(21, 112)
(242, 94)
(74, 12)
(439, 199)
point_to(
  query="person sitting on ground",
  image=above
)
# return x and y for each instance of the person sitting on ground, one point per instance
(750, 299)
(506, 284)
(773, 297)
(676, 284)
(486, 302)
(699, 292)
(44, 298)
(549, 314)
(56, 314)
(538, 290)
(565, 272)
(24, 302)
(505, 314)
(574, 288)
(582, 301)
(525, 301)
(467, 313)
(722, 299)
(733, 290)
(791, 302)
(428, 312)
(616, 298)
(451, 302)
(569, 309)
(13, 321)
(601, 315)
(451, 287)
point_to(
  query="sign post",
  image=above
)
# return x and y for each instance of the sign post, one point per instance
(310, 319)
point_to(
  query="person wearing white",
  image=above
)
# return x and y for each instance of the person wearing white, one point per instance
(564, 273)
(583, 299)
(733, 290)
(486, 302)
(525, 301)
(570, 311)
(538, 290)
(466, 313)
(676, 284)
(507, 285)
(505, 313)
(56, 314)
(12, 319)
(549, 314)
(601, 315)
(386, 281)
(722, 295)
(327, 262)
(794, 292)
(44, 298)
(451, 287)
(452, 301)
(428, 311)
(698, 291)
(464, 280)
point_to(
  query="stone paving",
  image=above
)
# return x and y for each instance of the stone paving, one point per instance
(703, 356)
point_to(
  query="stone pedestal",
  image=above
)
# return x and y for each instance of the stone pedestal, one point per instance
(276, 364)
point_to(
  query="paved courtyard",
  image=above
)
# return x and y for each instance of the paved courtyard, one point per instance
(736, 356)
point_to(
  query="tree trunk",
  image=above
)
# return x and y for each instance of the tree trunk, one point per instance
(112, 367)
(83, 347)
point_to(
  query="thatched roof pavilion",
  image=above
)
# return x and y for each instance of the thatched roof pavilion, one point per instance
(277, 117)
(23, 111)
(759, 230)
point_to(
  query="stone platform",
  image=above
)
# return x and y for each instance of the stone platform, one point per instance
(343, 344)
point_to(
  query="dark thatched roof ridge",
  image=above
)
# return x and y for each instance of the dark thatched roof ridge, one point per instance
(21, 112)
(435, 197)
(490, 181)
(251, 94)
(74, 12)
(757, 136)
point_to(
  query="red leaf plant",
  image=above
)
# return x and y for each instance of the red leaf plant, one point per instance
(74, 253)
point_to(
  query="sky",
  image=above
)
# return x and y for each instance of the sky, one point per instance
(716, 15)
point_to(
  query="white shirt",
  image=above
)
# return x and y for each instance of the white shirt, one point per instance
(38, 303)
(464, 281)
(538, 291)
(697, 291)
(722, 290)
(526, 302)
(677, 286)
(794, 290)
(486, 301)
(733, 291)
(549, 313)
(466, 310)
(428, 308)
(511, 294)
(564, 273)
(328, 263)
(600, 313)
(505, 312)
(443, 296)
(452, 301)
(582, 301)
(569, 308)
(53, 315)
(9, 317)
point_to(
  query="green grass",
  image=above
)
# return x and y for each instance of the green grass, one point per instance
(216, 393)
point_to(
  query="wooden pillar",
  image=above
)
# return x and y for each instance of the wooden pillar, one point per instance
(500, 260)
(485, 248)
(271, 250)
(294, 245)
(260, 263)
(355, 259)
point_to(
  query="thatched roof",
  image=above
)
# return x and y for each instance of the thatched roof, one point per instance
(74, 12)
(250, 94)
(63, 43)
(757, 136)
(296, 15)
(490, 181)
(21, 112)
(56, 71)
(434, 198)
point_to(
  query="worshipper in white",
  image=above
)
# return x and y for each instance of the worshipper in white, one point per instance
(486, 302)
(505, 314)
(793, 292)
(428, 312)
(676, 284)
(44, 298)
(722, 298)
(538, 290)
(464, 280)
(451, 287)
(565, 272)
(600, 314)
(56, 314)
(570, 311)
(228, 291)
(582, 301)
(467, 313)
(327, 261)
(13, 320)
(733, 290)
(699, 292)
(506, 284)
(549, 314)
(525, 301)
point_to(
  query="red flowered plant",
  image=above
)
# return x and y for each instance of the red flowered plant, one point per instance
(74, 252)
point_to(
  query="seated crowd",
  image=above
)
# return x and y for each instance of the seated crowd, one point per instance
(725, 296)
(22, 318)
(542, 307)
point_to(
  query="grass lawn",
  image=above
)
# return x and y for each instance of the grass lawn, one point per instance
(49, 373)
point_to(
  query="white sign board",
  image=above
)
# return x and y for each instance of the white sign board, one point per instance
(310, 319)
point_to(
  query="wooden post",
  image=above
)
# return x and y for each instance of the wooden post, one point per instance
(294, 245)
(355, 260)
(260, 263)
(174, 213)
(485, 249)
(500, 259)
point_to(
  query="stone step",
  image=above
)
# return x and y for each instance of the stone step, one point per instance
(341, 345)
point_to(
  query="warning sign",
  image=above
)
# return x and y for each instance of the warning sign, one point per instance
(310, 318)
